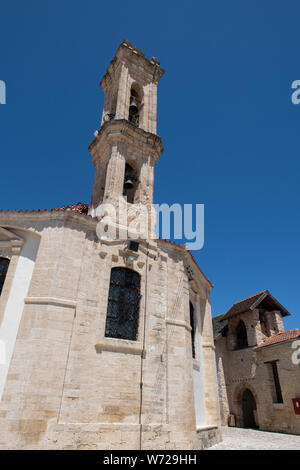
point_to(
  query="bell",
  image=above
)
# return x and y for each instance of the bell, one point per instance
(128, 184)
(133, 107)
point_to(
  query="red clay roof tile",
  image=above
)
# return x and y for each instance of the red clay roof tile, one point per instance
(80, 208)
(280, 338)
(252, 302)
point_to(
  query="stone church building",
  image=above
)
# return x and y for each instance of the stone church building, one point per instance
(106, 342)
(258, 365)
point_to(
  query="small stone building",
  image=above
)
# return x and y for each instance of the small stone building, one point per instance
(257, 377)
(108, 341)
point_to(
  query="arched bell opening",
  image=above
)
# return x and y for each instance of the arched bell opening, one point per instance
(135, 104)
(130, 183)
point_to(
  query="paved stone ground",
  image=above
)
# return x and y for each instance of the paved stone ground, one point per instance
(249, 439)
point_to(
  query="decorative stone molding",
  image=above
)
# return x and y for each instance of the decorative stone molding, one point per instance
(51, 301)
(119, 347)
(121, 130)
(208, 345)
(240, 379)
(206, 427)
(169, 321)
(125, 253)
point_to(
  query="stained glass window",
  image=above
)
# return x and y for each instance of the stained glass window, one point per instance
(123, 304)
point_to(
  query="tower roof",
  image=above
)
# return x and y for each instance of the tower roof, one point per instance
(264, 299)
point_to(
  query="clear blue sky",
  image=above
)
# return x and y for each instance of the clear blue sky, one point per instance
(230, 131)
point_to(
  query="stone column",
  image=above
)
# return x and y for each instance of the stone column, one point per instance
(114, 175)
(123, 92)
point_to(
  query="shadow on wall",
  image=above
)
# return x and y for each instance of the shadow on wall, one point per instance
(18, 292)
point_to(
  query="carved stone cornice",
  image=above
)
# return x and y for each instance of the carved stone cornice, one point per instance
(121, 130)
(19, 218)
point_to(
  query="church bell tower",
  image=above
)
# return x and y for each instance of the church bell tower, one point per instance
(126, 147)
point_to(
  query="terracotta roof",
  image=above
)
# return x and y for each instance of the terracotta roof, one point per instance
(280, 338)
(263, 298)
(80, 208)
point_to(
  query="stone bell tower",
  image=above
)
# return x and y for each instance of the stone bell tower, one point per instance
(126, 147)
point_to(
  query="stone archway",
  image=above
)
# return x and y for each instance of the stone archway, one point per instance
(248, 409)
(245, 407)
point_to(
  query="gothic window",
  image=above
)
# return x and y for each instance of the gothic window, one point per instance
(123, 304)
(4, 263)
(192, 323)
(130, 183)
(241, 336)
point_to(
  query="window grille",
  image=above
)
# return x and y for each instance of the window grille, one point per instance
(123, 304)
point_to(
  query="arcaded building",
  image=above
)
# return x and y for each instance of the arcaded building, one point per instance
(106, 341)
(258, 365)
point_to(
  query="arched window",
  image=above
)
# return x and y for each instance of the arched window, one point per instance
(122, 318)
(241, 336)
(192, 323)
(130, 183)
(4, 263)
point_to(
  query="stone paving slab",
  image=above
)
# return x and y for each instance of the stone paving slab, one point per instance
(250, 439)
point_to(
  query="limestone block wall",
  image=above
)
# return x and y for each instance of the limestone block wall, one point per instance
(274, 416)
